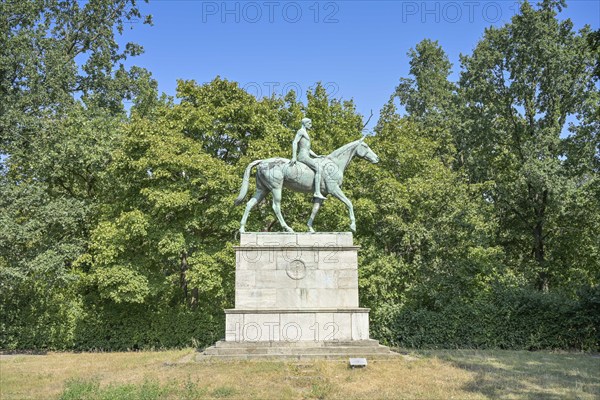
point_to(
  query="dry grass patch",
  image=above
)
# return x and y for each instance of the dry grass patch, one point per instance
(425, 375)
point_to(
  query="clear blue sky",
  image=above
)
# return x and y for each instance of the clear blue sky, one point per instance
(357, 48)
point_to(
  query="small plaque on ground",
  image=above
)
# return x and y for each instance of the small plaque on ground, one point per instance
(358, 362)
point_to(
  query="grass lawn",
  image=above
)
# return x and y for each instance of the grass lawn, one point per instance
(443, 374)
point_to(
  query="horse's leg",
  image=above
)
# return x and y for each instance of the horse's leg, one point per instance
(258, 196)
(277, 208)
(316, 205)
(337, 192)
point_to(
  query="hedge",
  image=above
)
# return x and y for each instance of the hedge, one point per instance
(505, 318)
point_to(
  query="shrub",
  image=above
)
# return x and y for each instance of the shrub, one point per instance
(505, 318)
(33, 320)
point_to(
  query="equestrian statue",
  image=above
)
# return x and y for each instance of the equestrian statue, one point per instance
(306, 172)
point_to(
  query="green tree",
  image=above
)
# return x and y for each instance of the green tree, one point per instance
(164, 225)
(62, 86)
(429, 237)
(429, 98)
(520, 86)
(594, 43)
(40, 77)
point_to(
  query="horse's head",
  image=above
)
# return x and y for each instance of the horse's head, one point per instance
(364, 151)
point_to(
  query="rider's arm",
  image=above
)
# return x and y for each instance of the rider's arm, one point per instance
(295, 146)
(313, 154)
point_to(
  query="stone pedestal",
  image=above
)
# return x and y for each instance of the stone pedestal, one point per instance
(296, 294)
(296, 287)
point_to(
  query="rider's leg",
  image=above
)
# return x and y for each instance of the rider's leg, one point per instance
(315, 165)
(318, 174)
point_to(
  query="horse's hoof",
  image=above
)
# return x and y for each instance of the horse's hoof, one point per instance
(353, 227)
(242, 230)
(288, 229)
(311, 230)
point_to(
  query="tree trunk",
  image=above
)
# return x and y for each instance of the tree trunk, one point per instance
(540, 257)
(194, 299)
(182, 277)
(538, 244)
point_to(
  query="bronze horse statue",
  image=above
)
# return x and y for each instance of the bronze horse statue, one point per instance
(274, 174)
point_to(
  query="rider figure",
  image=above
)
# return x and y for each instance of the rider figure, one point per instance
(301, 147)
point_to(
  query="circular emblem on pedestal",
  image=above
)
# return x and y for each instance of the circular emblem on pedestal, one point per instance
(296, 269)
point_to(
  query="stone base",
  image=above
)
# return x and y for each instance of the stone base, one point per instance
(300, 325)
(335, 350)
(296, 296)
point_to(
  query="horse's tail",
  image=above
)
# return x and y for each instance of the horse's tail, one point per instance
(245, 182)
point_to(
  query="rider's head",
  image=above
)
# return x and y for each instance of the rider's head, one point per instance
(306, 122)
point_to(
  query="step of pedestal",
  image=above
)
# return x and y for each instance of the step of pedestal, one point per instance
(297, 350)
(301, 344)
(295, 357)
(292, 350)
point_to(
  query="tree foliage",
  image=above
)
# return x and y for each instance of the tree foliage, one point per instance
(118, 225)
(520, 85)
